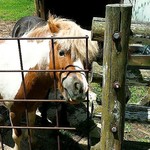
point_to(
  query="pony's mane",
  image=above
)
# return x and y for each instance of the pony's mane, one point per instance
(68, 28)
(63, 27)
(36, 32)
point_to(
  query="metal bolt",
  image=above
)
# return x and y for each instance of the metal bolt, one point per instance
(116, 85)
(116, 36)
(114, 129)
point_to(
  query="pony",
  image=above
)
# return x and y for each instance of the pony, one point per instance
(25, 24)
(27, 63)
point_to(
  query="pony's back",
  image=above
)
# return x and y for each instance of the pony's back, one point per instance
(25, 24)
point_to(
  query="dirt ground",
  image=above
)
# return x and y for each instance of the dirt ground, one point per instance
(134, 131)
(6, 28)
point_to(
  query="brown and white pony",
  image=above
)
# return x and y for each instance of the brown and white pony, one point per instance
(36, 55)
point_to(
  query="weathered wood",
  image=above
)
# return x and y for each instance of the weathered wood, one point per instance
(118, 19)
(98, 78)
(39, 6)
(137, 113)
(133, 112)
(139, 56)
(140, 61)
(136, 80)
(98, 29)
(135, 145)
(140, 33)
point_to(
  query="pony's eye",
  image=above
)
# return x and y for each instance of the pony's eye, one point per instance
(61, 53)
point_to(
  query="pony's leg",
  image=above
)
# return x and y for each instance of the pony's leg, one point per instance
(43, 109)
(15, 119)
(31, 119)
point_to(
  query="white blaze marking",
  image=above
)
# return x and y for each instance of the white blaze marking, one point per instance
(80, 65)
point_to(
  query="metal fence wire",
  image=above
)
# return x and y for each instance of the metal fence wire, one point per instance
(57, 133)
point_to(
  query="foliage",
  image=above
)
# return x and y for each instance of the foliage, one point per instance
(137, 93)
(95, 87)
(13, 10)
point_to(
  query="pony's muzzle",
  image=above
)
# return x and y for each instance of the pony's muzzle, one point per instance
(74, 89)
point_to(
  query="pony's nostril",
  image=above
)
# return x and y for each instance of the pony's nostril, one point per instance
(78, 87)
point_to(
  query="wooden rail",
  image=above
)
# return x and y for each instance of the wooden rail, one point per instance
(139, 33)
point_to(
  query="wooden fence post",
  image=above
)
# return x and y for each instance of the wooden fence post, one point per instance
(116, 39)
(40, 10)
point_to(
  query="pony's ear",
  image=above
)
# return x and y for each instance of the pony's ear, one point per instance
(53, 26)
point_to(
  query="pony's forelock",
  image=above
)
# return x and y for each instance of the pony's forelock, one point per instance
(68, 28)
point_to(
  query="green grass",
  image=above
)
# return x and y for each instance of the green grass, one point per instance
(137, 93)
(12, 10)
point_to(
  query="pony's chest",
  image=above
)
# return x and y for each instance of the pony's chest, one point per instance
(12, 61)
